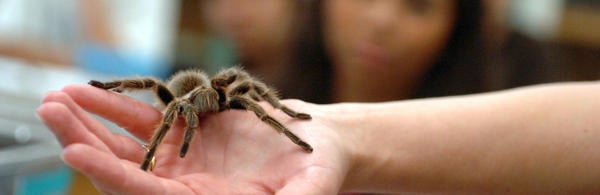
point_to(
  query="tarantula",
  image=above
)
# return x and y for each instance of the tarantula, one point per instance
(190, 94)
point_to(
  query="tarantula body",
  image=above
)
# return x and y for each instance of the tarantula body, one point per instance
(190, 94)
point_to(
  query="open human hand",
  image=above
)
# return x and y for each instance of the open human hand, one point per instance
(233, 152)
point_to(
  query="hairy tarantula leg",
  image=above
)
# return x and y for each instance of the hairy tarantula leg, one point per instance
(191, 120)
(107, 85)
(240, 89)
(245, 103)
(159, 88)
(153, 161)
(159, 134)
(272, 98)
(255, 96)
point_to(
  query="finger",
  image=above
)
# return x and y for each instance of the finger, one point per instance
(122, 146)
(66, 127)
(114, 176)
(137, 117)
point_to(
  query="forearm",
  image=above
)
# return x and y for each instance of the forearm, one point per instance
(532, 139)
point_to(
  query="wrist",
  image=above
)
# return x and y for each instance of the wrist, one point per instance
(350, 123)
(340, 139)
(378, 156)
(372, 143)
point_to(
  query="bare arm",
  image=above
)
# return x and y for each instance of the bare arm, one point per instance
(532, 140)
(535, 139)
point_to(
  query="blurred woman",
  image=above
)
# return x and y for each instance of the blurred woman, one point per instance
(388, 50)
(357, 50)
(384, 50)
(379, 50)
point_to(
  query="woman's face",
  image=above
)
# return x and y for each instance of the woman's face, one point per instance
(256, 26)
(387, 37)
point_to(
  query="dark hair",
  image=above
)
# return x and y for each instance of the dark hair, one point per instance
(312, 62)
(460, 68)
(457, 71)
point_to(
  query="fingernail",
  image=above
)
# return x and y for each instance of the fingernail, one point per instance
(62, 157)
(63, 153)
(37, 114)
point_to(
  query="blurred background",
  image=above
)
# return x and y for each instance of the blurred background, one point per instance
(321, 51)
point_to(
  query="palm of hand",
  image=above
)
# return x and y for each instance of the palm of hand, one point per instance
(232, 152)
(247, 156)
